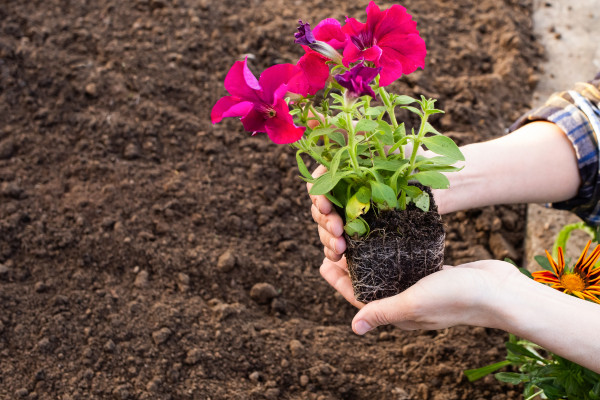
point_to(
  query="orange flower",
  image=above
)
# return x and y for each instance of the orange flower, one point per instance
(583, 281)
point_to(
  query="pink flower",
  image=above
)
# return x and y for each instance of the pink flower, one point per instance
(389, 39)
(313, 75)
(261, 103)
(357, 80)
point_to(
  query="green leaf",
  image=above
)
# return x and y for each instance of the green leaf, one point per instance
(511, 377)
(332, 199)
(544, 263)
(359, 203)
(372, 111)
(412, 191)
(366, 125)
(335, 162)
(443, 145)
(525, 272)
(317, 133)
(475, 374)
(302, 167)
(430, 129)
(327, 181)
(337, 137)
(383, 195)
(356, 227)
(422, 201)
(387, 137)
(522, 351)
(401, 99)
(400, 132)
(414, 110)
(388, 165)
(434, 180)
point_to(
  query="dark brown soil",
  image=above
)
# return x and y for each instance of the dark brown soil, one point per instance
(402, 247)
(145, 254)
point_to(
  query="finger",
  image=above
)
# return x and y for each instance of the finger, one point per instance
(391, 310)
(335, 244)
(330, 222)
(336, 275)
(333, 256)
(320, 201)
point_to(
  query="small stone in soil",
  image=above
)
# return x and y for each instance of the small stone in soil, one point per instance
(263, 292)
(160, 336)
(141, 280)
(297, 348)
(193, 356)
(226, 262)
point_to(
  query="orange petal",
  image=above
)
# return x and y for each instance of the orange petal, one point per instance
(583, 253)
(552, 263)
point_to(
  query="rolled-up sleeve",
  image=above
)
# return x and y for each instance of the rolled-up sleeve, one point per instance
(577, 113)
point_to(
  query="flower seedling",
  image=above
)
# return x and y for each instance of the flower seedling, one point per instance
(375, 164)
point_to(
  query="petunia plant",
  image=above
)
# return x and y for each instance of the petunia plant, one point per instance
(373, 160)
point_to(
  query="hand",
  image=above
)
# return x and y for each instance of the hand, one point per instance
(331, 227)
(468, 294)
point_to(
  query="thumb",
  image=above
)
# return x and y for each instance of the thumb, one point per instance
(379, 312)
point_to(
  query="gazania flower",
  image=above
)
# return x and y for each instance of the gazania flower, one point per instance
(389, 39)
(582, 281)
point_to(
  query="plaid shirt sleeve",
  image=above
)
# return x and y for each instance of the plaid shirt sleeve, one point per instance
(577, 113)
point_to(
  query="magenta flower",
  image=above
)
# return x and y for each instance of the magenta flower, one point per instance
(389, 39)
(357, 80)
(261, 104)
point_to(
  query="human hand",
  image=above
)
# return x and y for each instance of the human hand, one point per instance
(331, 226)
(464, 295)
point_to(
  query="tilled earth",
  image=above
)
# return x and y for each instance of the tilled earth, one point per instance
(146, 254)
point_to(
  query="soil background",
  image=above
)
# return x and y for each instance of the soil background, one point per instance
(146, 254)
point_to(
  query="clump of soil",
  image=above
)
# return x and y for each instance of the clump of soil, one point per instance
(146, 254)
(402, 247)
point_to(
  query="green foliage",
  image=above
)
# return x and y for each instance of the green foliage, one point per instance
(553, 376)
(363, 148)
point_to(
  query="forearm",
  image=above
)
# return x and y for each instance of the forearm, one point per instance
(561, 323)
(534, 164)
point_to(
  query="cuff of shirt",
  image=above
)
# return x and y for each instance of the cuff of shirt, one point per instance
(577, 113)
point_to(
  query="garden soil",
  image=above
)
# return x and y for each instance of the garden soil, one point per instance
(146, 254)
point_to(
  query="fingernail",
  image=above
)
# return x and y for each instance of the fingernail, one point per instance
(361, 327)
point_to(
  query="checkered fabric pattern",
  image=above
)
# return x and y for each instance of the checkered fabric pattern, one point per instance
(577, 112)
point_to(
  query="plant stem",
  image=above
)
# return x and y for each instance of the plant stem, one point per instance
(417, 143)
(351, 144)
(390, 108)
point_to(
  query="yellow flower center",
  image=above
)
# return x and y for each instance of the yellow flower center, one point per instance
(572, 282)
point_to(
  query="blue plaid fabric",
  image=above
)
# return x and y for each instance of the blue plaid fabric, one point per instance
(577, 112)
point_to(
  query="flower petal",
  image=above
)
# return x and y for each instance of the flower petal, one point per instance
(254, 121)
(281, 128)
(545, 277)
(351, 54)
(240, 82)
(396, 20)
(313, 76)
(229, 106)
(330, 31)
(273, 77)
